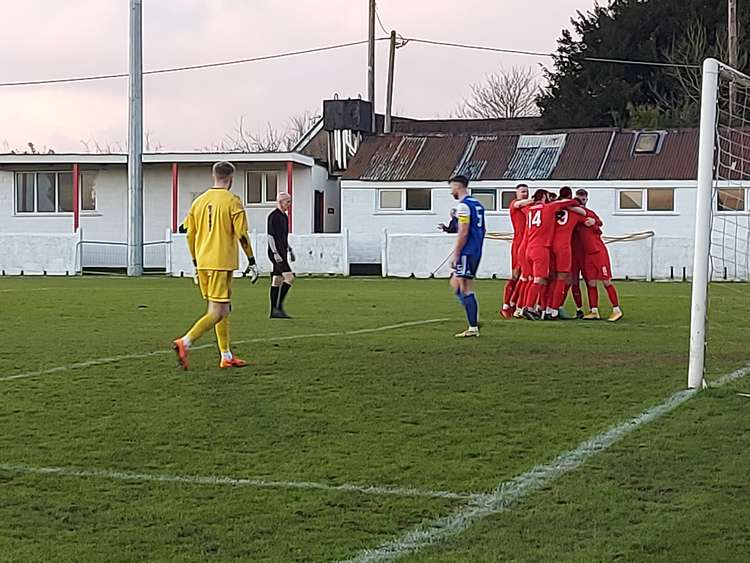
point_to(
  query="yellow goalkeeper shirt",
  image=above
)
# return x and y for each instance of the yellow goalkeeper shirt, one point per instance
(215, 223)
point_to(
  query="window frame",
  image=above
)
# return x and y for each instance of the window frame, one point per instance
(487, 191)
(34, 189)
(660, 135)
(644, 210)
(744, 211)
(264, 201)
(402, 210)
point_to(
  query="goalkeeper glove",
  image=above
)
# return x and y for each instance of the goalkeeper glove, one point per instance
(251, 269)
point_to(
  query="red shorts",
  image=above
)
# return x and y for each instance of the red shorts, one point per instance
(539, 257)
(597, 267)
(517, 254)
(523, 261)
(563, 256)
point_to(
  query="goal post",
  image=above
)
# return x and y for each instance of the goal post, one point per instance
(704, 202)
(722, 220)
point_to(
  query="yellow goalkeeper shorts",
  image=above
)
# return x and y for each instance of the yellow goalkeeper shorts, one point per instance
(216, 285)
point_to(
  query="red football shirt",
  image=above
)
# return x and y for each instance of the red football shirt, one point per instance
(566, 223)
(591, 237)
(518, 220)
(541, 221)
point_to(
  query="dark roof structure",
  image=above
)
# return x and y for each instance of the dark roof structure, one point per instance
(575, 154)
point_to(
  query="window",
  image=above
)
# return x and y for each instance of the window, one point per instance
(647, 142)
(88, 190)
(660, 200)
(631, 200)
(261, 187)
(647, 199)
(730, 199)
(410, 199)
(488, 198)
(390, 199)
(535, 156)
(50, 192)
(419, 199)
(25, 193)
(506, 198)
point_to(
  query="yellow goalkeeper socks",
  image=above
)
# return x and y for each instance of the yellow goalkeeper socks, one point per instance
(222, 337)
(202, 326)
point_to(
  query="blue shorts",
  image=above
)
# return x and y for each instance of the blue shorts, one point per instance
(467, 266)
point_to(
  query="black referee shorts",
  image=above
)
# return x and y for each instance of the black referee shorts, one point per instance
(279, 268)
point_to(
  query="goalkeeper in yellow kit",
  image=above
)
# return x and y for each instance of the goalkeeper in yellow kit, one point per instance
(215, 224)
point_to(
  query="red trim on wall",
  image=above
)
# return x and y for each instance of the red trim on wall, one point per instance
(175, 195)
(76, 197)
(289, 187)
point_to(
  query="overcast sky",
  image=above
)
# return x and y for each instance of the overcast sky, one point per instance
(185, 111)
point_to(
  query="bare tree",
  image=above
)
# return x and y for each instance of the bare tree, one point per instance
(31, 148)
(504, 94)
(270, 139)
(114, 147)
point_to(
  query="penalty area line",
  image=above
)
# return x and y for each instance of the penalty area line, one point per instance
(214, 480)
(510, 492)
(125, 357)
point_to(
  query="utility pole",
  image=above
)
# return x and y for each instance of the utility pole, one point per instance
(389, 93)
(733, 54)
(371, 63)
(135, 142)
(732, 35)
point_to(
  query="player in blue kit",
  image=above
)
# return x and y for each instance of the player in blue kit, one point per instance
(468, 251)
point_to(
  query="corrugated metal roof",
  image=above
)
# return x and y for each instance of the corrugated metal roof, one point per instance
(581, 155)
(396, 165)
(677, 158)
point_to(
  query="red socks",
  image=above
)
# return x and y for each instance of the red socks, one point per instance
(593, 297)
(577, 297)
(509, 291)
(612, 293)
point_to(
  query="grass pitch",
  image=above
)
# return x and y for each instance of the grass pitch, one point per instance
(408, 407)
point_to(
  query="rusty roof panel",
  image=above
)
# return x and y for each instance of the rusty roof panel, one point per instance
(677, 158)
(395, 165)
(399, 157)
(583, 155)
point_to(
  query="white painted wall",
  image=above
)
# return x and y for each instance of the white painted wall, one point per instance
(53, 254)
(315, 253)
(672, 243)
(109, 221)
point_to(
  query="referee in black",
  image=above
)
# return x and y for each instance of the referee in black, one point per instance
(278, 251)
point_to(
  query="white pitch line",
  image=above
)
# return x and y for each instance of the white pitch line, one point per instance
(510, 492)
(109, 474)
(123, 357)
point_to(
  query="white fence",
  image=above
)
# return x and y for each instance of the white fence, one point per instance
(640, 256)
(39, 254)
(402, 255)
(316, 254)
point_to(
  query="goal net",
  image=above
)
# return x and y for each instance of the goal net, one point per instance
(722, 226)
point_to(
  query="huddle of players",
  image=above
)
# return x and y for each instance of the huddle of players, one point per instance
(556, 240)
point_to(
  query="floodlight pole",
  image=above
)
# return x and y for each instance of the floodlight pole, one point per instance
(135, 142)
(371, 61)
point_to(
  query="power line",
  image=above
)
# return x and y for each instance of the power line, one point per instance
(541, 54)
(341, 46)
(191, 67)
(380, 22)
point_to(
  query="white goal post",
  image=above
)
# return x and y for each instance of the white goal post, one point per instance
(722, 227)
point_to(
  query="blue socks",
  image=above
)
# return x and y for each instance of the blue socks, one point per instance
(472, 309)
(460, 297)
